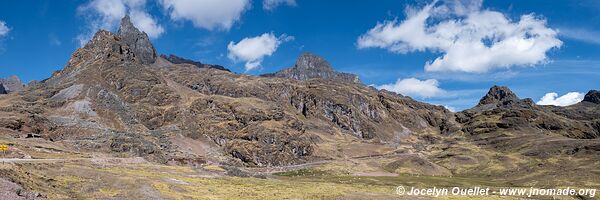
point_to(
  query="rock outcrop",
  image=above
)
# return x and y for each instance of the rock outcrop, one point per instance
(137, 40)
(310, 66)
(593, 96)
(179, 60)
(12, 84)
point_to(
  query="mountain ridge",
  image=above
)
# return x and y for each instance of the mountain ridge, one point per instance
(310, 66)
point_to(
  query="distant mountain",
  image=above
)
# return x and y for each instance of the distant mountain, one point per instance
(179, 60)
(502, 97)
(310, 66)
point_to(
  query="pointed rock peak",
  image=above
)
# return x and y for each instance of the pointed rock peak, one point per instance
(311, 66)
(126, 26)
(498, 94)
(592, 96)
(309, 61)
(137, 40)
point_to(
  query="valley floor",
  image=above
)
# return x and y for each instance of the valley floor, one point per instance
(55, 173)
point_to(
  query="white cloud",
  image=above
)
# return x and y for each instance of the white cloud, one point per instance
(143, 21)
(3, 29)
(106, 14)
(253, 50)
(415, 88)
(583, 35)
(568, 99)
(272, 4)
(208, 14)
(471, 39)
(450, 108)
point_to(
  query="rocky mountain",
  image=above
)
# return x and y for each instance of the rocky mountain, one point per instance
(115, 97)
(138, 41)
(179, 60)
(522, 113)
(11, 84)
(310, 66)
(108, 98)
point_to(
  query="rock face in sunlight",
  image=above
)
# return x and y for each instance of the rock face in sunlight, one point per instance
(11, 84)
(310, 66)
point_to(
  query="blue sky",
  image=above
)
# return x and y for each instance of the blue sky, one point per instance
(40, 35)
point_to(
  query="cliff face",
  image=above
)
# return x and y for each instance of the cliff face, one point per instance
(310, 66)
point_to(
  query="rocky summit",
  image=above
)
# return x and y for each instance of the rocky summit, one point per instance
(137, 40)
(593, 96)
(117, 121)
(310, 66)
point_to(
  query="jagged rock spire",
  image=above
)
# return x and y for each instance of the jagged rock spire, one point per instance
(593, 96)
(137, 40)
(310, 66)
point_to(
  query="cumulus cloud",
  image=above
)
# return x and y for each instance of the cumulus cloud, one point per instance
(272, 4)
(3, 29)
(253, 50)
(208, 14)
(470, 39)
(415, 88)
(568, 99)
(106, 14)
